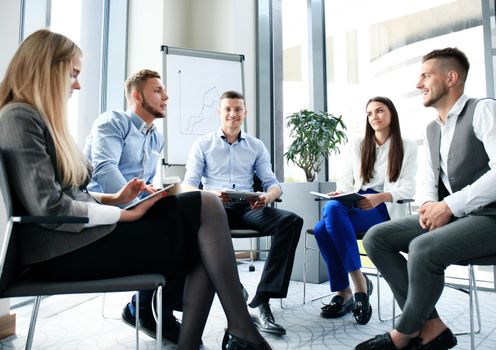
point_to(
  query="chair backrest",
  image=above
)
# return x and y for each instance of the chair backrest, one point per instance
(5, 202)
(8, 262)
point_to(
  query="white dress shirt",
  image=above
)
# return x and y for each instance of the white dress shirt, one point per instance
(481, 192)
(350, 180)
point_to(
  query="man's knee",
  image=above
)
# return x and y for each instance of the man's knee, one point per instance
(374, 237)
(422, 251)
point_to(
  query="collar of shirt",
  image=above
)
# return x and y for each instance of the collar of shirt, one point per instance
(384, 146)
(454, 111)
(140, 124)
(221, 134)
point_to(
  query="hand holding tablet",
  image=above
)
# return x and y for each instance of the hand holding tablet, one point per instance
(132, 205)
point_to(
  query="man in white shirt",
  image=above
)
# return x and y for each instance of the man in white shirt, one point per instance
(456, 220)
(229, 158)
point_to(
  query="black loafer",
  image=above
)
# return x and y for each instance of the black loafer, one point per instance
(363, 309)
(445, 340)
(379, 342)
(337, 307)
(384, 342)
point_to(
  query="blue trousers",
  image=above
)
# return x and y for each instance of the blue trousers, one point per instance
(335, 235)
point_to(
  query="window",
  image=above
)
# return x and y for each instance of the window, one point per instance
(295, 71)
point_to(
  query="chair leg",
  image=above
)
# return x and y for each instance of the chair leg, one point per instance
(379, 315)
(305, 268)
(251, 268)
(471, 283)
(32, 323)
(159, 317)
(473, 300)
(105, 317)
(137, 317)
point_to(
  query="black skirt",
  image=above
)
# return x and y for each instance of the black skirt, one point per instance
(164, 241)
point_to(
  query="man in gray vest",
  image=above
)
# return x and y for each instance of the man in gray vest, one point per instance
(456, 218)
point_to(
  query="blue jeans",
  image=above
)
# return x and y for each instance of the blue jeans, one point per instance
(336, 238)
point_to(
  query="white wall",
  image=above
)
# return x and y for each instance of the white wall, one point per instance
(211, 25)
(145, 35)
(9, 23)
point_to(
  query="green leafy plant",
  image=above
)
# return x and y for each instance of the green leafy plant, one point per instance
(315, 136)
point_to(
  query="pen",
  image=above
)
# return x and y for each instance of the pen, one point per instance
(254, 204)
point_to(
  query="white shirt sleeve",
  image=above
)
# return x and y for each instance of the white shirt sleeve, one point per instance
(427, 189)
(482, 191)
(99, 214)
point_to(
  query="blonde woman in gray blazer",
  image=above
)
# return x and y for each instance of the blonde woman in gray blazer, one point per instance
(182, 236)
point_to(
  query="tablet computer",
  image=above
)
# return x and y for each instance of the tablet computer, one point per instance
(132, 205)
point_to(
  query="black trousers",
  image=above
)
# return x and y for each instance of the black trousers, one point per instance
(285, 229)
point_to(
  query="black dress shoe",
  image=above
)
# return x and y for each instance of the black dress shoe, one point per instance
(379, 342)
(337, 307)
(266, 323)
(445, 340)
(384, 342)
(231, 342)
(363, 309)
(170, 327)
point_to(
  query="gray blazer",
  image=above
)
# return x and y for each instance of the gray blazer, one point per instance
(30, 161)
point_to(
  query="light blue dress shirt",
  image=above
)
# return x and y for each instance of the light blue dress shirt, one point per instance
(121, 146)
(219, 165)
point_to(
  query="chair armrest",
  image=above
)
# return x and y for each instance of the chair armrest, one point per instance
(51, 219)
(405, 200)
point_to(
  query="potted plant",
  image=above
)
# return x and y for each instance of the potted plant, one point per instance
(315, 136)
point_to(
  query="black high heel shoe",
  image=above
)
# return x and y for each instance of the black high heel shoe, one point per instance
(231, 342)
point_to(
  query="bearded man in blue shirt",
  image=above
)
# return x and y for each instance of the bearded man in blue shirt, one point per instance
(124, 145)
(229, 158)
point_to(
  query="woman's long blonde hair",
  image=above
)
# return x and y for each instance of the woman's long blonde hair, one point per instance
(39, 74)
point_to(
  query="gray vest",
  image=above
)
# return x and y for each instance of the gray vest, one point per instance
(467, 158)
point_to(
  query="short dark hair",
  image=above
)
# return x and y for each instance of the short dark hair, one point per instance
(453, 58)
(138, 79)
(232, 94)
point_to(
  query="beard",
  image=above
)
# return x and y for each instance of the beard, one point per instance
(435, 97)
(152, 110)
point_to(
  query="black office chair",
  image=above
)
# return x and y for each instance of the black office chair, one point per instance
(16, 283)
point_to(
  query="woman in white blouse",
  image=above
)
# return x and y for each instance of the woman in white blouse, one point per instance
(382, 167)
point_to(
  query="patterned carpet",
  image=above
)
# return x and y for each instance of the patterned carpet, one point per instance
(75, 322)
